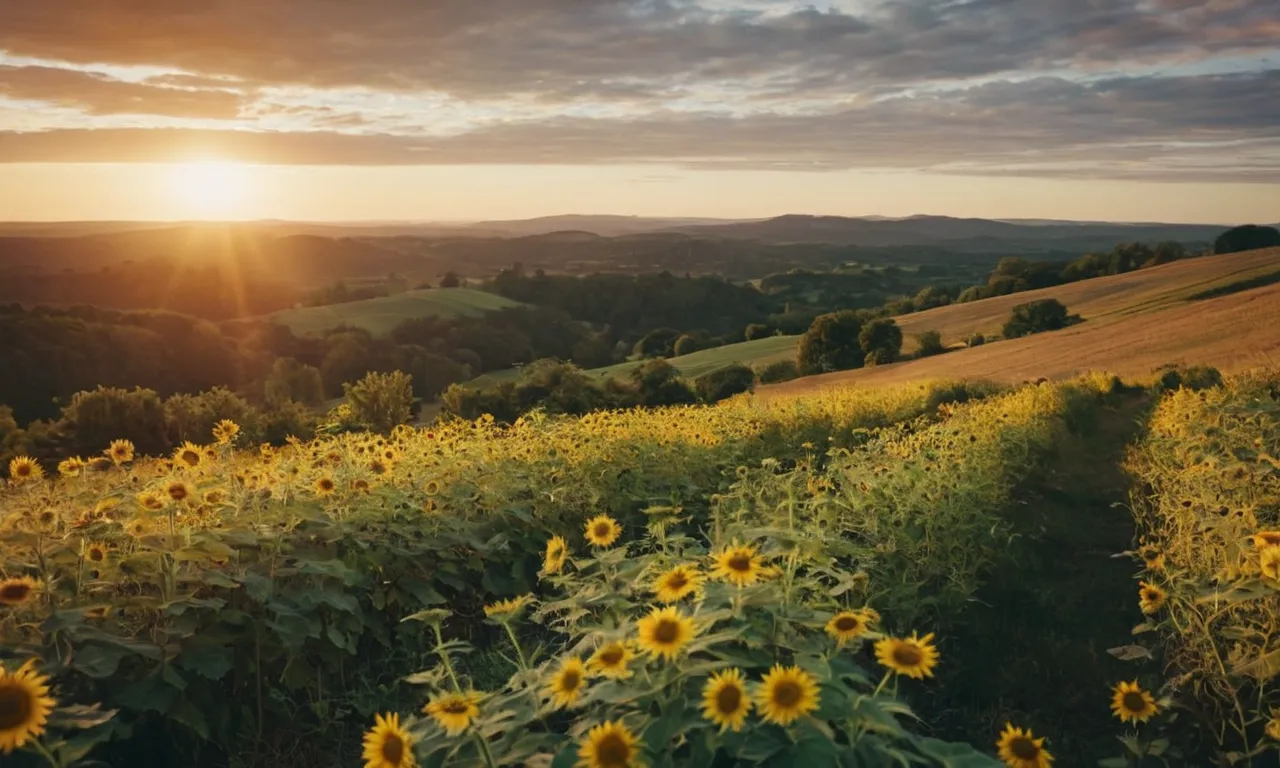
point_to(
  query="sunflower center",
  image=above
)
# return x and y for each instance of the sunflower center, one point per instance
(907, 655)
(456, 707)
(393, 749)
(740, 563)
(786, 694)
(613, 751)
(190, 458)
(611, 657)
(14, 593)
(570, 680)
(1024, 748)
(666, 632)
(15, 707)
(22, 470)
(728, 699)
(677, 581)
(601, 530)
(96, 555)
(177, 492)
(1134, 701)
(847, 623)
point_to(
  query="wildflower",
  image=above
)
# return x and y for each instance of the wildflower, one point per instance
(609, 745)
(664, 632)
(95, 552)
(603, 530)
(848, 625)
(71, 467)
(1272, 728)
(738, 565)
(225, 431)
(120, 451)
(188, 456)
(25, 706)
(16, 591)
(178, 490)
(387, 745)
(912, 656)
(24, 468)
(1269, 563)
(325, 486)
(611, 661)
(1130, 702)
(1019, 748)
(568, 682)
(725, 701)
(454, 711)
(1151, 598)
(1264, 539)
(504, 609)
(785, 694)
(557, 552)
(432, 487)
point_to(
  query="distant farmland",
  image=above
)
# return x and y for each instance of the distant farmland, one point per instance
(379, 316)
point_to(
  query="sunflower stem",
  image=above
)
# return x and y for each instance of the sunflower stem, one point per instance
(49, 758)
(444, 658)
(524, 664)
(883, 681)
(484, 751)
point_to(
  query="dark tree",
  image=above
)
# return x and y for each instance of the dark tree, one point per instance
(684, 345)
(1036, 317)
(881, 341)
(724, 382)
(930, 343)
(756, 331)
(1246, 238)
(450, 280)
(831, 344)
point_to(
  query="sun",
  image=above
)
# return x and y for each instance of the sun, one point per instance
(211, 188)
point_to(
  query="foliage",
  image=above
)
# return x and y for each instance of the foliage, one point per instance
(1035, 317)
(292, 381)
(881, 341)
(755, 331)
(1246, 237)
(1208, 509)
(929, 343)
(192, 417)
(976, 340)
(93, 419)
(1194, 377)
(831, 344)
(660, 342)
(381, 401)
(776, 372)
(725, 382)
(684, 345)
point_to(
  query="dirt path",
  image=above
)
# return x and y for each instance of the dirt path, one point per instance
(1033, 649)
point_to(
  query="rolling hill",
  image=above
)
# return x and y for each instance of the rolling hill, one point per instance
(1221, 311)
(381, 315)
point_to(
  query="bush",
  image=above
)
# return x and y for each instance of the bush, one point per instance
(724, 382)
(556, 387)
(930, 343)
(93, 419)
(756, 331)
(881, 341)
(381, 401)
(1036, 317)
(782, 370)
(659, 342)
(288, 419)
(1195, 378)
(657, 382)
(976, 340)
(192, 417)
(684, 345)
(292, 380)
(831, 344)
(1246, 238)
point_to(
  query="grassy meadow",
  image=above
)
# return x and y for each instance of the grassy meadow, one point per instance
(381, 315)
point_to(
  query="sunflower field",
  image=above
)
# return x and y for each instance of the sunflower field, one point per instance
(765, 581)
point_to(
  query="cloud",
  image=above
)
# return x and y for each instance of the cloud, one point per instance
(1049, 87)
(101, 95)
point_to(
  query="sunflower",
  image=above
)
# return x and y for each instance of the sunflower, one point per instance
(1152, 557)
(379, 467)
(1151, 598)
(848, 625)
(225, 431)
(16, 591)
(214, 496)
(1264, 539)
(677, 583)
(136, 527)
(1130, 702)
(24, 468)
(325, 486)
(725, 701)
(1272, 728)
(360, 485)
(120, 451)
(96, 552)
(432, 487)
(785, 694)
(1269, 563)
(504, 609)
(25, 705)
(557, 552)
(611, 661)
(188, 455)
(71, 467)
(911, 656)
(603, 530)
(1019, 748)
(454, 711)
(387, 745)
(568, 682)
(664, 632)
(151, 501)
(609, 745)
(178, 490)
(738, 565)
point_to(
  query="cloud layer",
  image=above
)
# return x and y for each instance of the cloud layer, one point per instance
(1167, 89)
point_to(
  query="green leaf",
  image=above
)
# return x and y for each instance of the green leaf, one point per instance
(209, 660)
(1264, 667)
(186, 713)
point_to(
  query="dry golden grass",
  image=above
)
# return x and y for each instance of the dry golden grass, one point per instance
(1134, 323)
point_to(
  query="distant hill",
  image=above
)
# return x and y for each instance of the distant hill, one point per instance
(1217, 310)
(608, 226)
(381, 315)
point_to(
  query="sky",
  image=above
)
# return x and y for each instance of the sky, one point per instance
(1151, 110)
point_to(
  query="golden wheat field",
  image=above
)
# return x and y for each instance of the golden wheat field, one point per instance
(766, 581)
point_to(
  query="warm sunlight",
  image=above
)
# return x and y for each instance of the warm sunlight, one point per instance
(210, 189)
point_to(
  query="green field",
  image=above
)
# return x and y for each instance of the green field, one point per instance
(380, 315)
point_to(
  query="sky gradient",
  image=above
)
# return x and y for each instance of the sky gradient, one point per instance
(470, 109)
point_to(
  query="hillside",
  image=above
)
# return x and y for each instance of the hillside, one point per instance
(1134, 323)
(381, 315)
